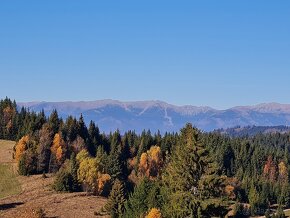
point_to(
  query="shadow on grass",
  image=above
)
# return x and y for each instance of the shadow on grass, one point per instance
(9, 206)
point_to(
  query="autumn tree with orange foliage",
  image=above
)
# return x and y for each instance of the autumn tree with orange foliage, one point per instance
(151, 162)
(154, 213)
(232, 186)
(25, 156)
(58, 153)
(21, 147)
(270, 169)
(58, 147)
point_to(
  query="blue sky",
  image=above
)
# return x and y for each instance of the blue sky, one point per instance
(216, 53)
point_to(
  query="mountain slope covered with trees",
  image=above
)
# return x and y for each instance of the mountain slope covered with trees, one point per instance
(185, 174)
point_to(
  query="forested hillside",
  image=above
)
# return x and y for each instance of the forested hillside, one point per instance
(240, 131)
(184, 174)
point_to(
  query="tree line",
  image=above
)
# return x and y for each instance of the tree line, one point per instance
(185, 174)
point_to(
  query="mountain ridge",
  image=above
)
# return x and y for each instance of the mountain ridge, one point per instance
(159, 115)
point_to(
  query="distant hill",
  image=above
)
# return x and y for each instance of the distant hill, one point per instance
(154, 115)
(253, 130)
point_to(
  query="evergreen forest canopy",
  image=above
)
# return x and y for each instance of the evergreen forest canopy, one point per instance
(185, 174)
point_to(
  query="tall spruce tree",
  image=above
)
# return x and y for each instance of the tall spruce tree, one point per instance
(193, 189)
(137, 204)
(114, 159)
(74, 172)
(94, 138)
(54, 121)
(82, 129)
(115, 203)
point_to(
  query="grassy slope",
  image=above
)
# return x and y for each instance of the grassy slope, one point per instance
(9, 184)
(21, 196)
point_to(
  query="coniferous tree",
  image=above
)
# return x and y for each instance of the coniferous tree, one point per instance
(115, 203)
(74, 172)
(54, 122)
(137, 204)
(82, 129)
(94, 138)
(63, 180)
(114, 159)
(70, 129)
(258, 201)
(66, 178)
(192, 186)
(228, 160)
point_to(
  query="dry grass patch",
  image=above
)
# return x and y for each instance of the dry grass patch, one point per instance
(6, 151)
(9, 184)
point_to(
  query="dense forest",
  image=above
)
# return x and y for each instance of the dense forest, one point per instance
(186, 174)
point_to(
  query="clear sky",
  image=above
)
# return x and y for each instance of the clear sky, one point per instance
(215, 53)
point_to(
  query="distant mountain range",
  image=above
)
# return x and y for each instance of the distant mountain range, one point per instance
(157, 115)
(239, 131)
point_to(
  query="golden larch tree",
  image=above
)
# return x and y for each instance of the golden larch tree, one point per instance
(151, 162)
(91, 176)
(58, 147)
(283, 171)
(21, 147)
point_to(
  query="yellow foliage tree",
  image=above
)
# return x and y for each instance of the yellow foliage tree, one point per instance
(90, 175)
(143, 165)
(82, 155)
(58, 147)
(151, 162)
(21, 146)
(282, 170)
(59, 153)
(154, 213)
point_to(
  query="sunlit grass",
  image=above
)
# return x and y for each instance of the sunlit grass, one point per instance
(9, 184)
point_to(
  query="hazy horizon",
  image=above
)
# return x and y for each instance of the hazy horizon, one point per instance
(148, 100)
